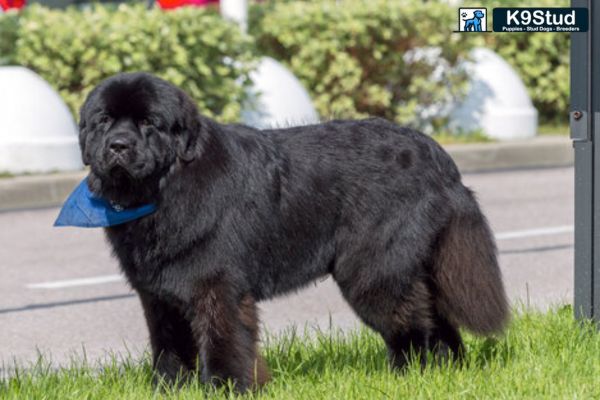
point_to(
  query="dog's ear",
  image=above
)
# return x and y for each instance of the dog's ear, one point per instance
(187, 129)
(186, 146)
(83, 135)
(84, 125)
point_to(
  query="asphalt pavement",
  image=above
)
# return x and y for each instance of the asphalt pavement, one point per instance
(62, 294)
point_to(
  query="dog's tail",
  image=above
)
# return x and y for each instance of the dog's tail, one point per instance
(466, 272)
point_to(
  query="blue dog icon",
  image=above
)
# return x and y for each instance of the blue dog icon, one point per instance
(474, 24)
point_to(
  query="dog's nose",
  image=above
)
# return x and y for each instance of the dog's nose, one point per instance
(119, 145)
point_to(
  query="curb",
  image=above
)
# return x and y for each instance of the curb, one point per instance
(547, 151)
(541, 151)
(37, 190)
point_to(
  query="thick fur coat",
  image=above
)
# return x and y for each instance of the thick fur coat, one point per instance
(245, 215)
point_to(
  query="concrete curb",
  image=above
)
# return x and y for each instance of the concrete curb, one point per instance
(542, 151)
(37, 190)
(546, 151)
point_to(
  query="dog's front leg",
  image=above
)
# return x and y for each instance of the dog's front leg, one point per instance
(174, 349)
(225, 325)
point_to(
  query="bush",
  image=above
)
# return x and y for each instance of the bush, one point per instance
(9, 27)
(348, 55)
(193, 48)
(357, 58)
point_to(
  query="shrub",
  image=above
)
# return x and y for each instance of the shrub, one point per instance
(191, 47)
(348, 55)
(395, 59)
(356, 58)
(9, 28)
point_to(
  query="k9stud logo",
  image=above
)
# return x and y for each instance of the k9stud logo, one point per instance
(472, 19)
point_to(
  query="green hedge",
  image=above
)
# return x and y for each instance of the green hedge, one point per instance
(353, 56)
(332, 48)
(193, 48)
(359, 57)
(9, 25)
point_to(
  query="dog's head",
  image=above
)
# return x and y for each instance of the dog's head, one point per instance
(133, 129)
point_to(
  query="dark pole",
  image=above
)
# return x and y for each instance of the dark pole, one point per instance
(585, 122)
(594, 87)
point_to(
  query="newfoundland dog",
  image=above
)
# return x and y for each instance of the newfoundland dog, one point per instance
(244, 215)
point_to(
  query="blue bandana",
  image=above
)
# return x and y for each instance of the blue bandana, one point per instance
(83, 209)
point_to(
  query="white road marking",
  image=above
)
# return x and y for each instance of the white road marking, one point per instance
(95, 280)
(98, 280)
(551, 230)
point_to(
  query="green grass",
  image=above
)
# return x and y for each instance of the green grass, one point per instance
(461, 138)
(541, 356)
(554, 129)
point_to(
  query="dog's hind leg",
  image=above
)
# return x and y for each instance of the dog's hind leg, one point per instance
(404, 320)
(445, 340)
(410, 328)
(425, 330)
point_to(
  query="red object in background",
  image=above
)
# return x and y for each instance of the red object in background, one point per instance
(169, 4)
(10, 4)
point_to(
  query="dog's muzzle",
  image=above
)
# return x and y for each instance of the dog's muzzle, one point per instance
(119, 151)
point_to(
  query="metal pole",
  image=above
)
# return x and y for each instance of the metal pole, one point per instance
(585, 126)
(584, 167)
(594, 87)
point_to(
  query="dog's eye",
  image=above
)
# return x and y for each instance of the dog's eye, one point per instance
(145, 122)
(104, 119)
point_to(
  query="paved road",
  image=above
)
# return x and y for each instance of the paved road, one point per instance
(61, 291)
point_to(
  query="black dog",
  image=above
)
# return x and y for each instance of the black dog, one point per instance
(245, 215)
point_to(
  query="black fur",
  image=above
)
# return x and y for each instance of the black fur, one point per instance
(244, 215)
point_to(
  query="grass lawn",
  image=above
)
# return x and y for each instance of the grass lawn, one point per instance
(460, 138)
(542, 356)
(554, 129)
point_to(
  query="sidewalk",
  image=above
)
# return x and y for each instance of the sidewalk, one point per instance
(543, 151)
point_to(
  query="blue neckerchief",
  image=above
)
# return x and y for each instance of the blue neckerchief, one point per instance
(84, 209)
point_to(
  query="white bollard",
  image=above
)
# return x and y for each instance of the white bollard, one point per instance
(497, 102)
(277, 98)
(37, 131)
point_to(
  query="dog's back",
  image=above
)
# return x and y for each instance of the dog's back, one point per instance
(412, 251)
